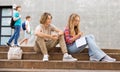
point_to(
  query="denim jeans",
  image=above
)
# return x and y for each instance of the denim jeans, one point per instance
(93, 50)
(15, 36)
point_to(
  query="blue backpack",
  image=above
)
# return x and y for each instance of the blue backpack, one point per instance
(23, 26)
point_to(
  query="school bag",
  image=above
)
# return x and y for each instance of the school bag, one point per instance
(23, 26)
(14, 53)
(12, 23)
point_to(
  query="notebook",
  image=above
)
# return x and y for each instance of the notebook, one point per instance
(80, 42)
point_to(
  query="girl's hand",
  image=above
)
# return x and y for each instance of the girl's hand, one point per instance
(77, 36)
(80, 33)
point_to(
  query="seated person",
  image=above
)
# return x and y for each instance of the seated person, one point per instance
(72, 33)
(46, 40)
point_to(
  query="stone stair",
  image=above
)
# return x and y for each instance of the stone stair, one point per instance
(32, 60)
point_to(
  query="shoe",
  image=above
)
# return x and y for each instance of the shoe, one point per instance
(16, 46)
(69, 58)
(8, 44)
(45, 58)
(108, 59)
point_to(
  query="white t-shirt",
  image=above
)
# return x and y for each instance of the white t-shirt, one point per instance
(28, 25)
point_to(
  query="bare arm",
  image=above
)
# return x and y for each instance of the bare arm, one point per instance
(40, 34)
(59, 31)
(77, 36)
(26, 26)
(43, 35)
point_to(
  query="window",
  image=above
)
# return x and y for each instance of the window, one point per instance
(5, 18)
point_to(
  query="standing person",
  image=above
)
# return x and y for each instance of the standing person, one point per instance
(27, 30)
(72, 33)
(46, 40)
(17, 19)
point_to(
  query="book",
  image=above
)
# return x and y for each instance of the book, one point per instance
(80, 42)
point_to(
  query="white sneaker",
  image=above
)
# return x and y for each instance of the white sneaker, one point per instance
(69, 58)
(108, 59)
(45, 58)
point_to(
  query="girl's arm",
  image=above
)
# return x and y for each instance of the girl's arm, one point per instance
(16, 16)
(26, 26)
(77, 36)
(68, 38)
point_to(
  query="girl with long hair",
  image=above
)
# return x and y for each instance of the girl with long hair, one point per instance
(72, 33)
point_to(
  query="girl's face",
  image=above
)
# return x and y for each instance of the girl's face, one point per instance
(76, 21)
(48, 20)
(19, 9)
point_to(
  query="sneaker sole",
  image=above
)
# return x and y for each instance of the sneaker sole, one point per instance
(69, 60)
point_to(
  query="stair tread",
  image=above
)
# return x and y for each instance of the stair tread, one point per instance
(56, 56)
(55, 61)
(57, 49)
(56, 53)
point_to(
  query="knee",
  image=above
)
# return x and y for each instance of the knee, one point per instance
(40, 39)
(90, 36)
(61, 36)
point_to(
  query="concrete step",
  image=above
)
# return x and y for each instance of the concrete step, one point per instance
(53, 70)
(53, 64)
(57, 49)
(32, 60)
(56, 56)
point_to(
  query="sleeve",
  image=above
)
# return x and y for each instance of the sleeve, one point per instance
(15, 15)
(28, 25)
(68, 38)
(26, 22)
(38, 28)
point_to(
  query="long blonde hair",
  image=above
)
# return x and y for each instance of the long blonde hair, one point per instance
(73, 30)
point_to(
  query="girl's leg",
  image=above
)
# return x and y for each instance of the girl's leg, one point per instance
(95, 52)
(17, 35)
(26, 41)
(22, 41)
(13, 36)
(73, 48)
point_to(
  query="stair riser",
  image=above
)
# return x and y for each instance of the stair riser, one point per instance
(32, 60)
(59, 65)
(56, 56)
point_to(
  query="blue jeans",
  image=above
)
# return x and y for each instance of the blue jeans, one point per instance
(15, 36)
(93, 50)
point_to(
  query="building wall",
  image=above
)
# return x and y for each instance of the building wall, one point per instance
(98, 17)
